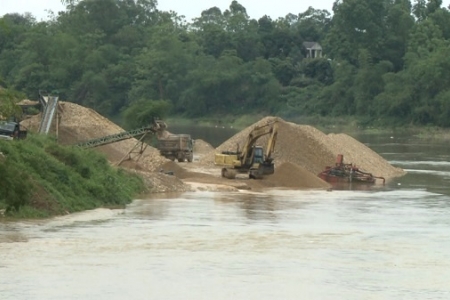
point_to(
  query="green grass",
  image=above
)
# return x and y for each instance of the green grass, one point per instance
(40, 178)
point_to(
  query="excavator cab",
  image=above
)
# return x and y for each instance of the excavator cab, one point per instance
(255, 156)
(250, 158)
(260, 165)
(258, 155)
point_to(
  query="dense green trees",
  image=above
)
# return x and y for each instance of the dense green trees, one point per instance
(8, 107)
(384, 61)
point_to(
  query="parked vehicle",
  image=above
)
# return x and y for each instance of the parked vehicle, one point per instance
(177, 146)
(12, 130)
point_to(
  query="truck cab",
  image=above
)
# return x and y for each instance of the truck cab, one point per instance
(177, 146)
(11, 130)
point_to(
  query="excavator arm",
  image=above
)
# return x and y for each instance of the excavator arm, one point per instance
(271, 143)
(255, 134)
(251, 159)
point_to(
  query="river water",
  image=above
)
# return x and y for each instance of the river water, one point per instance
(391, 242)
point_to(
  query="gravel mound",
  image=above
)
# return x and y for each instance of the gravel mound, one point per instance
(311, 149)
(78, 124)
(293, 176)
(175, 169)
(362, 156)
(301, 152)
(201, 147)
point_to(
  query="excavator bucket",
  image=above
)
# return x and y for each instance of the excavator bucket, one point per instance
(268, 169)
(258, 172)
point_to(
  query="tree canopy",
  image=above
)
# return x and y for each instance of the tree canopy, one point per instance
(383, 61)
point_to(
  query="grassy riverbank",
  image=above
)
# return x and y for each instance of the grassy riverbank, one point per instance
(40, 178)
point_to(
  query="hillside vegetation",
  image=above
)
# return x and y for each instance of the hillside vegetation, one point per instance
(40, 178)
(387, 66)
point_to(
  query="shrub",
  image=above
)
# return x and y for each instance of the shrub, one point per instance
(74, 178)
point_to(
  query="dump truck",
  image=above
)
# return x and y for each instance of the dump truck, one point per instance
(251, 158)
(176, 146)
(12, 131)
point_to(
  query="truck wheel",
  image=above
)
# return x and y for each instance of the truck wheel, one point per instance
(190, 158)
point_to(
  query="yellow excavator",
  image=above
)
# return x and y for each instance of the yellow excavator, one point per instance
(251, 158)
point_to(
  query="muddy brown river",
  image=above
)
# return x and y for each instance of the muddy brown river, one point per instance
(386, 242)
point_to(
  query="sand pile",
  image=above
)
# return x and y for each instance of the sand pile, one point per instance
(312, 149)
(78, 123)
(293, 176)
(175, 169)
(28, 102)
(201, 147)
(301, 152)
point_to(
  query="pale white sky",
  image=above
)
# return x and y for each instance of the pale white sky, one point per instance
(255, 8)
(190, 8)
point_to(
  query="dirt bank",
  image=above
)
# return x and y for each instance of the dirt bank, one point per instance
(301, 152)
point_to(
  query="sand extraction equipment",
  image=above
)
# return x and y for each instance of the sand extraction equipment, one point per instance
(251, 158)
(343, 172)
